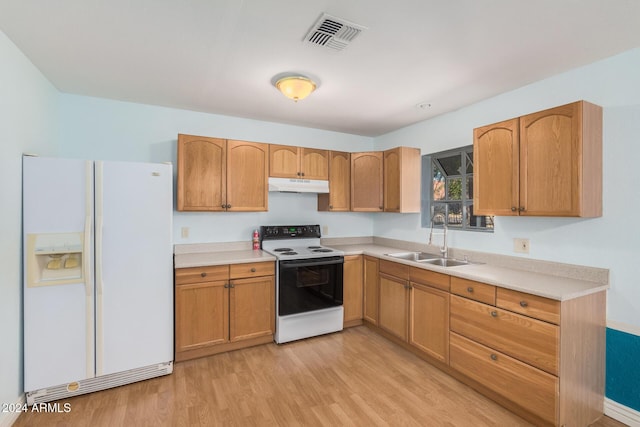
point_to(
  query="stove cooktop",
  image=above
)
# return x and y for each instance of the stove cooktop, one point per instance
(295, 242)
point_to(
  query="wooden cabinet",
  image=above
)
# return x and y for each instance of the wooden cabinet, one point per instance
(339, 197)
(247, 176)
(221, 175)
(251, 308)
(353, 290)
(222, 308)
(414, 307)
(547, 163)
(401, 180)
(201, 315)
(394, 306)
(366, 182)
(202, 165)
(371, 279)
(543, 358)
(298, 162)
(429, 313)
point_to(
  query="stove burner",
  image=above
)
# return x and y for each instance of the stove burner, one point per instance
(289, 253)
(283, 250)
(314, 247)
(322, 250)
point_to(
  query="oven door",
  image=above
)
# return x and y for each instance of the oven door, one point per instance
(309, 284)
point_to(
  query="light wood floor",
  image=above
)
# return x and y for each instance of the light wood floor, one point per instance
(355, 377)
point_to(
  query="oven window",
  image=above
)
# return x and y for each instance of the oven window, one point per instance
(308, 286)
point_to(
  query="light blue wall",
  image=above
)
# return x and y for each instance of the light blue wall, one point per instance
(96, 128)
(28, 123)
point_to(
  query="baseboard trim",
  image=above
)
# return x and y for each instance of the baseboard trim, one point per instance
(8, 418)
(621, 413)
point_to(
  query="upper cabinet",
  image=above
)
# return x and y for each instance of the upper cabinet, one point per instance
(339, 197)
(221, 175)
(402, 180)
(298, 162)
(366, 182)
(547, 163)
(247, 176)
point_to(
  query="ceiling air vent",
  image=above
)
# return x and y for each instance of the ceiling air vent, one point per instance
(333, 33)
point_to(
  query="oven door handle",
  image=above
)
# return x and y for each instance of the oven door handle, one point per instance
(305, 263)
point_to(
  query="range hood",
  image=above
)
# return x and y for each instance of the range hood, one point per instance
(292, 185)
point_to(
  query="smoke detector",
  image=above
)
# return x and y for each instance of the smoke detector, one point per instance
(332, 32)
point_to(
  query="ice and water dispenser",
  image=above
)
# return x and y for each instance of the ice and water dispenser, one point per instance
(54, 259)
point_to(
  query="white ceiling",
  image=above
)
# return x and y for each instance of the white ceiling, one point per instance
(219, 56)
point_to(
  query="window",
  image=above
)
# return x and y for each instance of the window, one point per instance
(447, 191)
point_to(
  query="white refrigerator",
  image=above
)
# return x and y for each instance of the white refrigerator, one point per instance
(98, 275)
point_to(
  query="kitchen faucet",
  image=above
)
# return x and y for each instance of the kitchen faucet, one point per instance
(444, 251)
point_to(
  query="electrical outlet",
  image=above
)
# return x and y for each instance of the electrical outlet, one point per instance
(521, 245)
(184, 232)
(325, 230)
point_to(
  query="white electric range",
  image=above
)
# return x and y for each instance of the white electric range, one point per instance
(309, 286)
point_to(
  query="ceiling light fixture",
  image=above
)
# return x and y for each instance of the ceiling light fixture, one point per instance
(295, 87)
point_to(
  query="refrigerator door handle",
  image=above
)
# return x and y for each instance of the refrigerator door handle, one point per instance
(98, 266)
(86, 268)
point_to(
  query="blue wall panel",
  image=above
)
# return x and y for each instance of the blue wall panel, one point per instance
(623, 373)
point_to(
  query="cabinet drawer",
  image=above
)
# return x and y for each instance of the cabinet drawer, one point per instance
(530, 305)
(253, 269)
(394, 269)
(532, 389)
(201, 274)
(429, 278)
(474, 290)
(529, 340)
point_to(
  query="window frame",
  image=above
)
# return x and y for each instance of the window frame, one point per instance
(427, 193)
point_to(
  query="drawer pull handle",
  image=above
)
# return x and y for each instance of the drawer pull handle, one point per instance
(470, 289)
(253, 269)
(523, 304)
(203, 274)
(494, 313)
(494, 356)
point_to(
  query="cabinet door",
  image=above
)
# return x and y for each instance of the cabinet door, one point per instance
(339, 197)
(551, 168)
(366, 182)
(251, 308)
(429, 321)
(247, 176)
(496, 168)
(394, 306)
(284, 161)
(353, 289)
(314, 164)
(201, 173)
(371, 288)
(402, 180)
(202, 316)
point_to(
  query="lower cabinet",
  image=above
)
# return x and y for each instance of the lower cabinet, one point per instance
(539, 357)
(353, 297)
(394, 306)
(222, 308)
(532, 389)
(414, 307)
(371, 278)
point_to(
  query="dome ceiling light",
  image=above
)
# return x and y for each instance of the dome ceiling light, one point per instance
(295, 87)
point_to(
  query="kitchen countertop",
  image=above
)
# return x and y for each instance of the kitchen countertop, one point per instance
(220, 257)
(544, 285)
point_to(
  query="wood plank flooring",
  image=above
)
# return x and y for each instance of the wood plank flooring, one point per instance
(355, 378)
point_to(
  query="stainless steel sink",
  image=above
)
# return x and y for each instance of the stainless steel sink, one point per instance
(446, 262)
(414, 256)
(424, 257)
